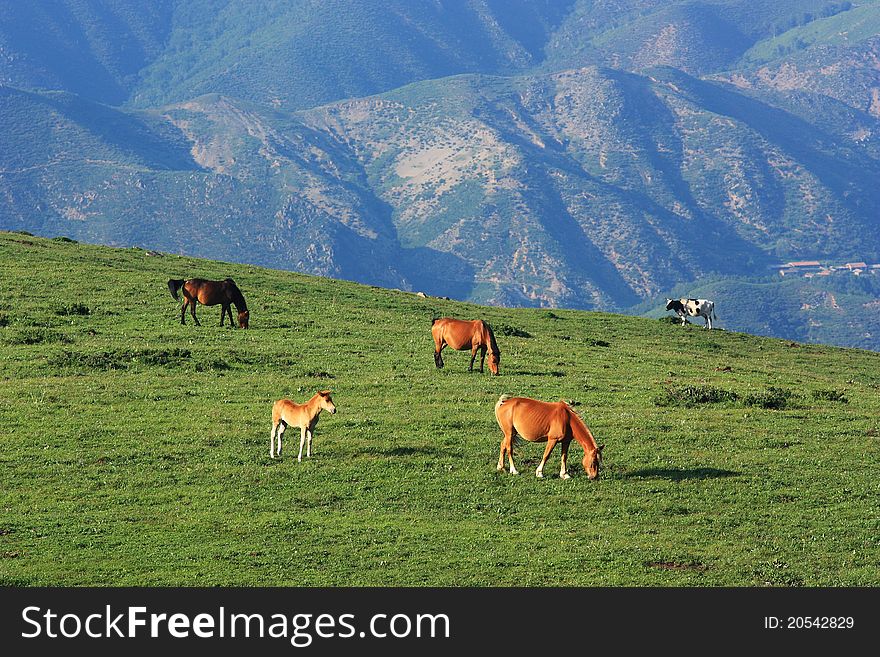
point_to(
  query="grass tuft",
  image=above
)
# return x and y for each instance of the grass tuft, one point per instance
(693, 395)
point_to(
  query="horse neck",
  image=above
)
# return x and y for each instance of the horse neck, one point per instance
(237, 298)
(489, 338)
(581, 433)
(314, 406)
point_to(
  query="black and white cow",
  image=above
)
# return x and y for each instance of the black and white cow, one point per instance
(693, 308)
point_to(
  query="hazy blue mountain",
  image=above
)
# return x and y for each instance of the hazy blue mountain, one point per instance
(95, 48)
(591, 154)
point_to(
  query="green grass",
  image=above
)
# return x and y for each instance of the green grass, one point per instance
(135, 450)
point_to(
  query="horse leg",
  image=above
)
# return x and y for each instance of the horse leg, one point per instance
(183, 311)
(281, 427)
(222, 314)
(309, 443)
(513, 469)
(550, 445)
(473, 357)
(482, 357)
(192, 310)
(302, 442)
(509, 432)
(272, 431)
(563, 470)
(438, 358)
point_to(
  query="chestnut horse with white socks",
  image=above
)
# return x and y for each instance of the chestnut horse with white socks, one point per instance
(553, 422)
(304, 416)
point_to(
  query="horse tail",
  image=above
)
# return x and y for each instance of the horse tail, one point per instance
(501, 400)
(174, 286)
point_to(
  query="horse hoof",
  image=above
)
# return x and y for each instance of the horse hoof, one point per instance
(514, 472)
(565, 475)
(539, 474)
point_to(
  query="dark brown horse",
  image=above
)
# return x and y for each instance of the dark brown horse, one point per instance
(210, 293)
(462, 335)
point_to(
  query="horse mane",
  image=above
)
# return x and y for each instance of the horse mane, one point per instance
(580, 430)
(493, 346)
(237, 296)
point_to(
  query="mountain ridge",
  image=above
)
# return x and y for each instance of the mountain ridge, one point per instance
(590, 186)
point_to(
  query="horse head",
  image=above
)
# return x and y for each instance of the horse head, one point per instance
(592, 462)
(494, 361)
(243, 317)
(326, 402)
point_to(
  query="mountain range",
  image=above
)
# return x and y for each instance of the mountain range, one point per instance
(588, 154)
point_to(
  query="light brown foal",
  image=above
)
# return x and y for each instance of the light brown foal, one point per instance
(304, 416)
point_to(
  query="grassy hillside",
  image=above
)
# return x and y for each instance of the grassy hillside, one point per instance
(134, 449)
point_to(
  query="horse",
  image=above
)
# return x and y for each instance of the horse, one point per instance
(210, 293)
(553, 422)
(462, 335)
(304, 416)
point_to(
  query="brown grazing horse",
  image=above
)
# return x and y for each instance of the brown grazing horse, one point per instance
(537, 421)
(304, 416)
(462, 335)
(210, 293)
